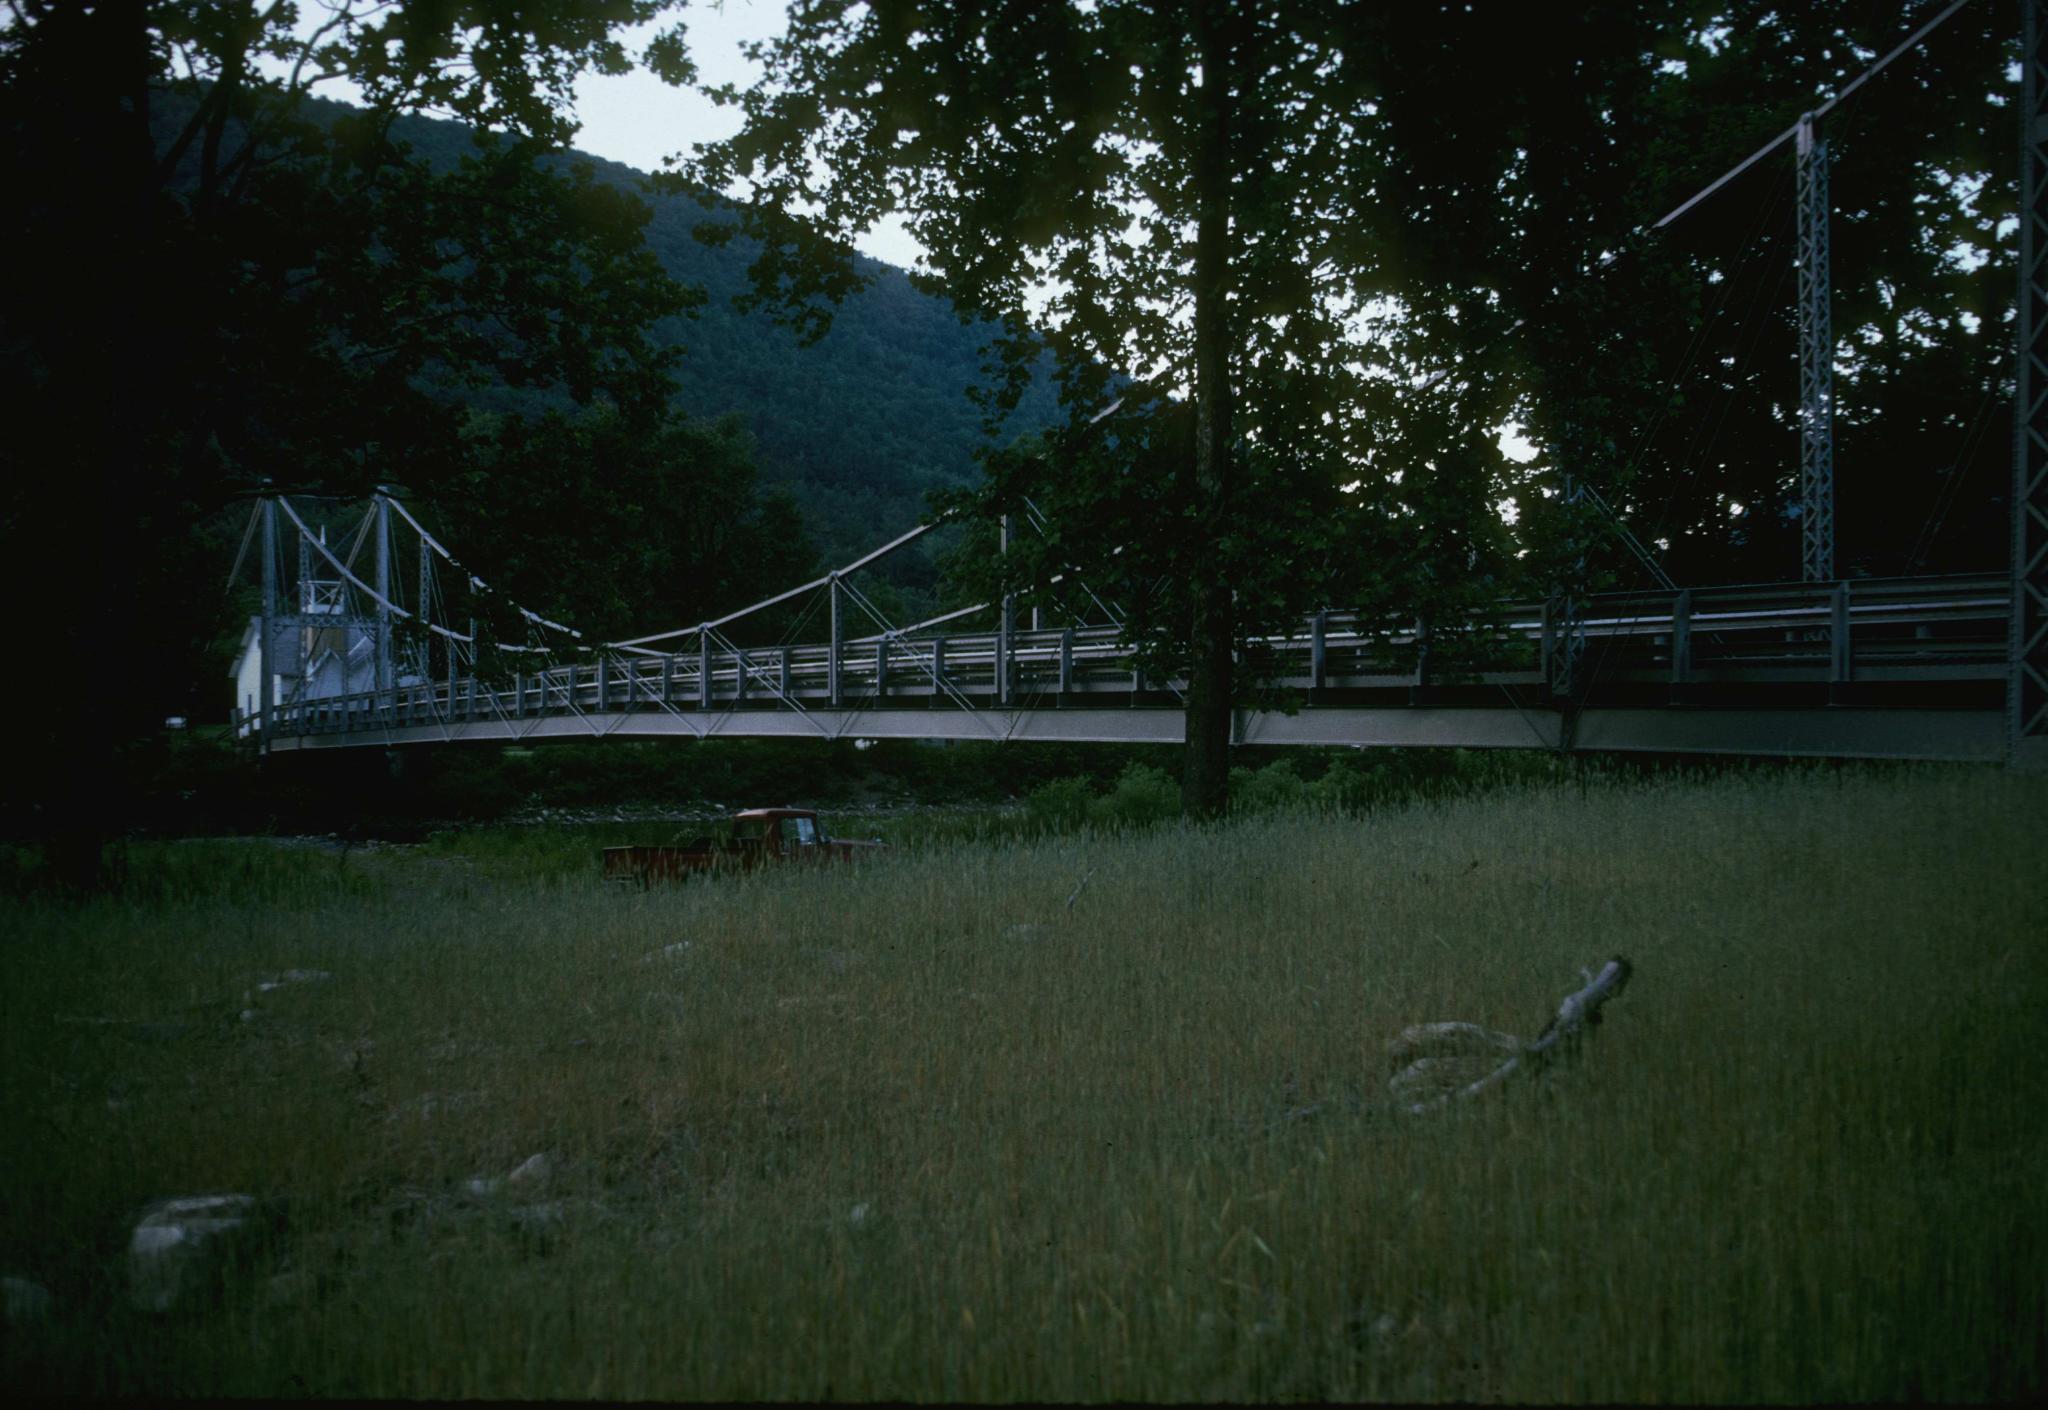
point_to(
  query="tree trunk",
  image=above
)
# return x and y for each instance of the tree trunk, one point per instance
(1205, 760)
(100, 249)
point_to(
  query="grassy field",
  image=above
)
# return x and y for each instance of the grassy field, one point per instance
(925, 1131)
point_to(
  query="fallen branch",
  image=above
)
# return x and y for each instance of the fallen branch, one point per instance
(1075, 894)
(1441, 1057)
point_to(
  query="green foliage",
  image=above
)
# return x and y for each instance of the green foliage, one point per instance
(1327, 781)
(1117, 187)
(1532, 151)
(258, 283)
(230, 289)
(1143, 795)
(1266, 790)
(1343, 787)
(1062, 805)
(620, 525)
(1476, 182)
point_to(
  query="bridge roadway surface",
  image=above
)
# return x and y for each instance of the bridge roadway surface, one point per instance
(1907, 668)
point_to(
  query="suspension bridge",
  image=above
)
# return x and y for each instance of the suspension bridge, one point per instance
(1950, 667)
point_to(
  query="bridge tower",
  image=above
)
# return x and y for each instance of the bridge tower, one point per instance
(2027, 685)
(383, 561)
(1816, 362)
(266, 708)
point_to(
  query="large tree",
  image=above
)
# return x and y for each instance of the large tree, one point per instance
(1306, 249)
(215, 281)
(1532, 152)
(662, 523)
(1146, 191)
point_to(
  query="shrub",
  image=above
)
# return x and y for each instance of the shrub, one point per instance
(1262, 791)
(1060, 806)
(1143, 795)
(1344, 786)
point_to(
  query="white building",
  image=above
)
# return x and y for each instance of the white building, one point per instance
(321, 652)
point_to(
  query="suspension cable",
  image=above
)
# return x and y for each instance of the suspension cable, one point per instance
(306, 536)
(1815, 116)
(474, 581)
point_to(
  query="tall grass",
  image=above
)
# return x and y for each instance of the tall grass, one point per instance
(922, 1129)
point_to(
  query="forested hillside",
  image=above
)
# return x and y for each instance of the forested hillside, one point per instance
(860, 425)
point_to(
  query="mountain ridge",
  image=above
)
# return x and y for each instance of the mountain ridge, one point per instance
(861, 425)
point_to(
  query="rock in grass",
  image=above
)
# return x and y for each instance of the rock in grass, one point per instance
(532, 1173)
(291, 1288)
(180, 1247)
(294, 976)
(23, 1302)
(540, 1218)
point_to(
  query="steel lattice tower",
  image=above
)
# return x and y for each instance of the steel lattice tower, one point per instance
(1816, 364)
(2027, 688)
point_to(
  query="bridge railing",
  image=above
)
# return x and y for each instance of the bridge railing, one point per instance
(1918, 629)
(1872, 630)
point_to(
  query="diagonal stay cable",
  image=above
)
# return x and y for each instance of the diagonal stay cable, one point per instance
(377, 597)
(1605, 656)
(1041, 522)
(362, 535)
(242, 553)
(474, 581)
(781, 597)
(522, 733)
(1760, 153)
(709, 634)
(745, 666)
(946, 687)
(1637, 238)
(569, 699)
(891, 634)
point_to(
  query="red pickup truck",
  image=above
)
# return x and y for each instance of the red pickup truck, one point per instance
(757, 837)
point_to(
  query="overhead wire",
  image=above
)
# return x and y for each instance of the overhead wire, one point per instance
(1950, 490)
(1708, 433)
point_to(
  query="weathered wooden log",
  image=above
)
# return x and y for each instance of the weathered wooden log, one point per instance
(1443, 1040)
(1582, 1007)
(1458, 1061)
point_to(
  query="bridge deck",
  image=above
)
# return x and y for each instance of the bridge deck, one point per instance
(1906, 668)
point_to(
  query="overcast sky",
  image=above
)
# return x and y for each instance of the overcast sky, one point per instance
(639, 120)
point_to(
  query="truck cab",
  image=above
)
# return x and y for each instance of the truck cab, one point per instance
(783, 831)
(756, 837)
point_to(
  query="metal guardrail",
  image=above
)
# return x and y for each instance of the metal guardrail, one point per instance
(1933, 630)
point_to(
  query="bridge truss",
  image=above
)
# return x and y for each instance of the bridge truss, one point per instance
(1906, 668)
